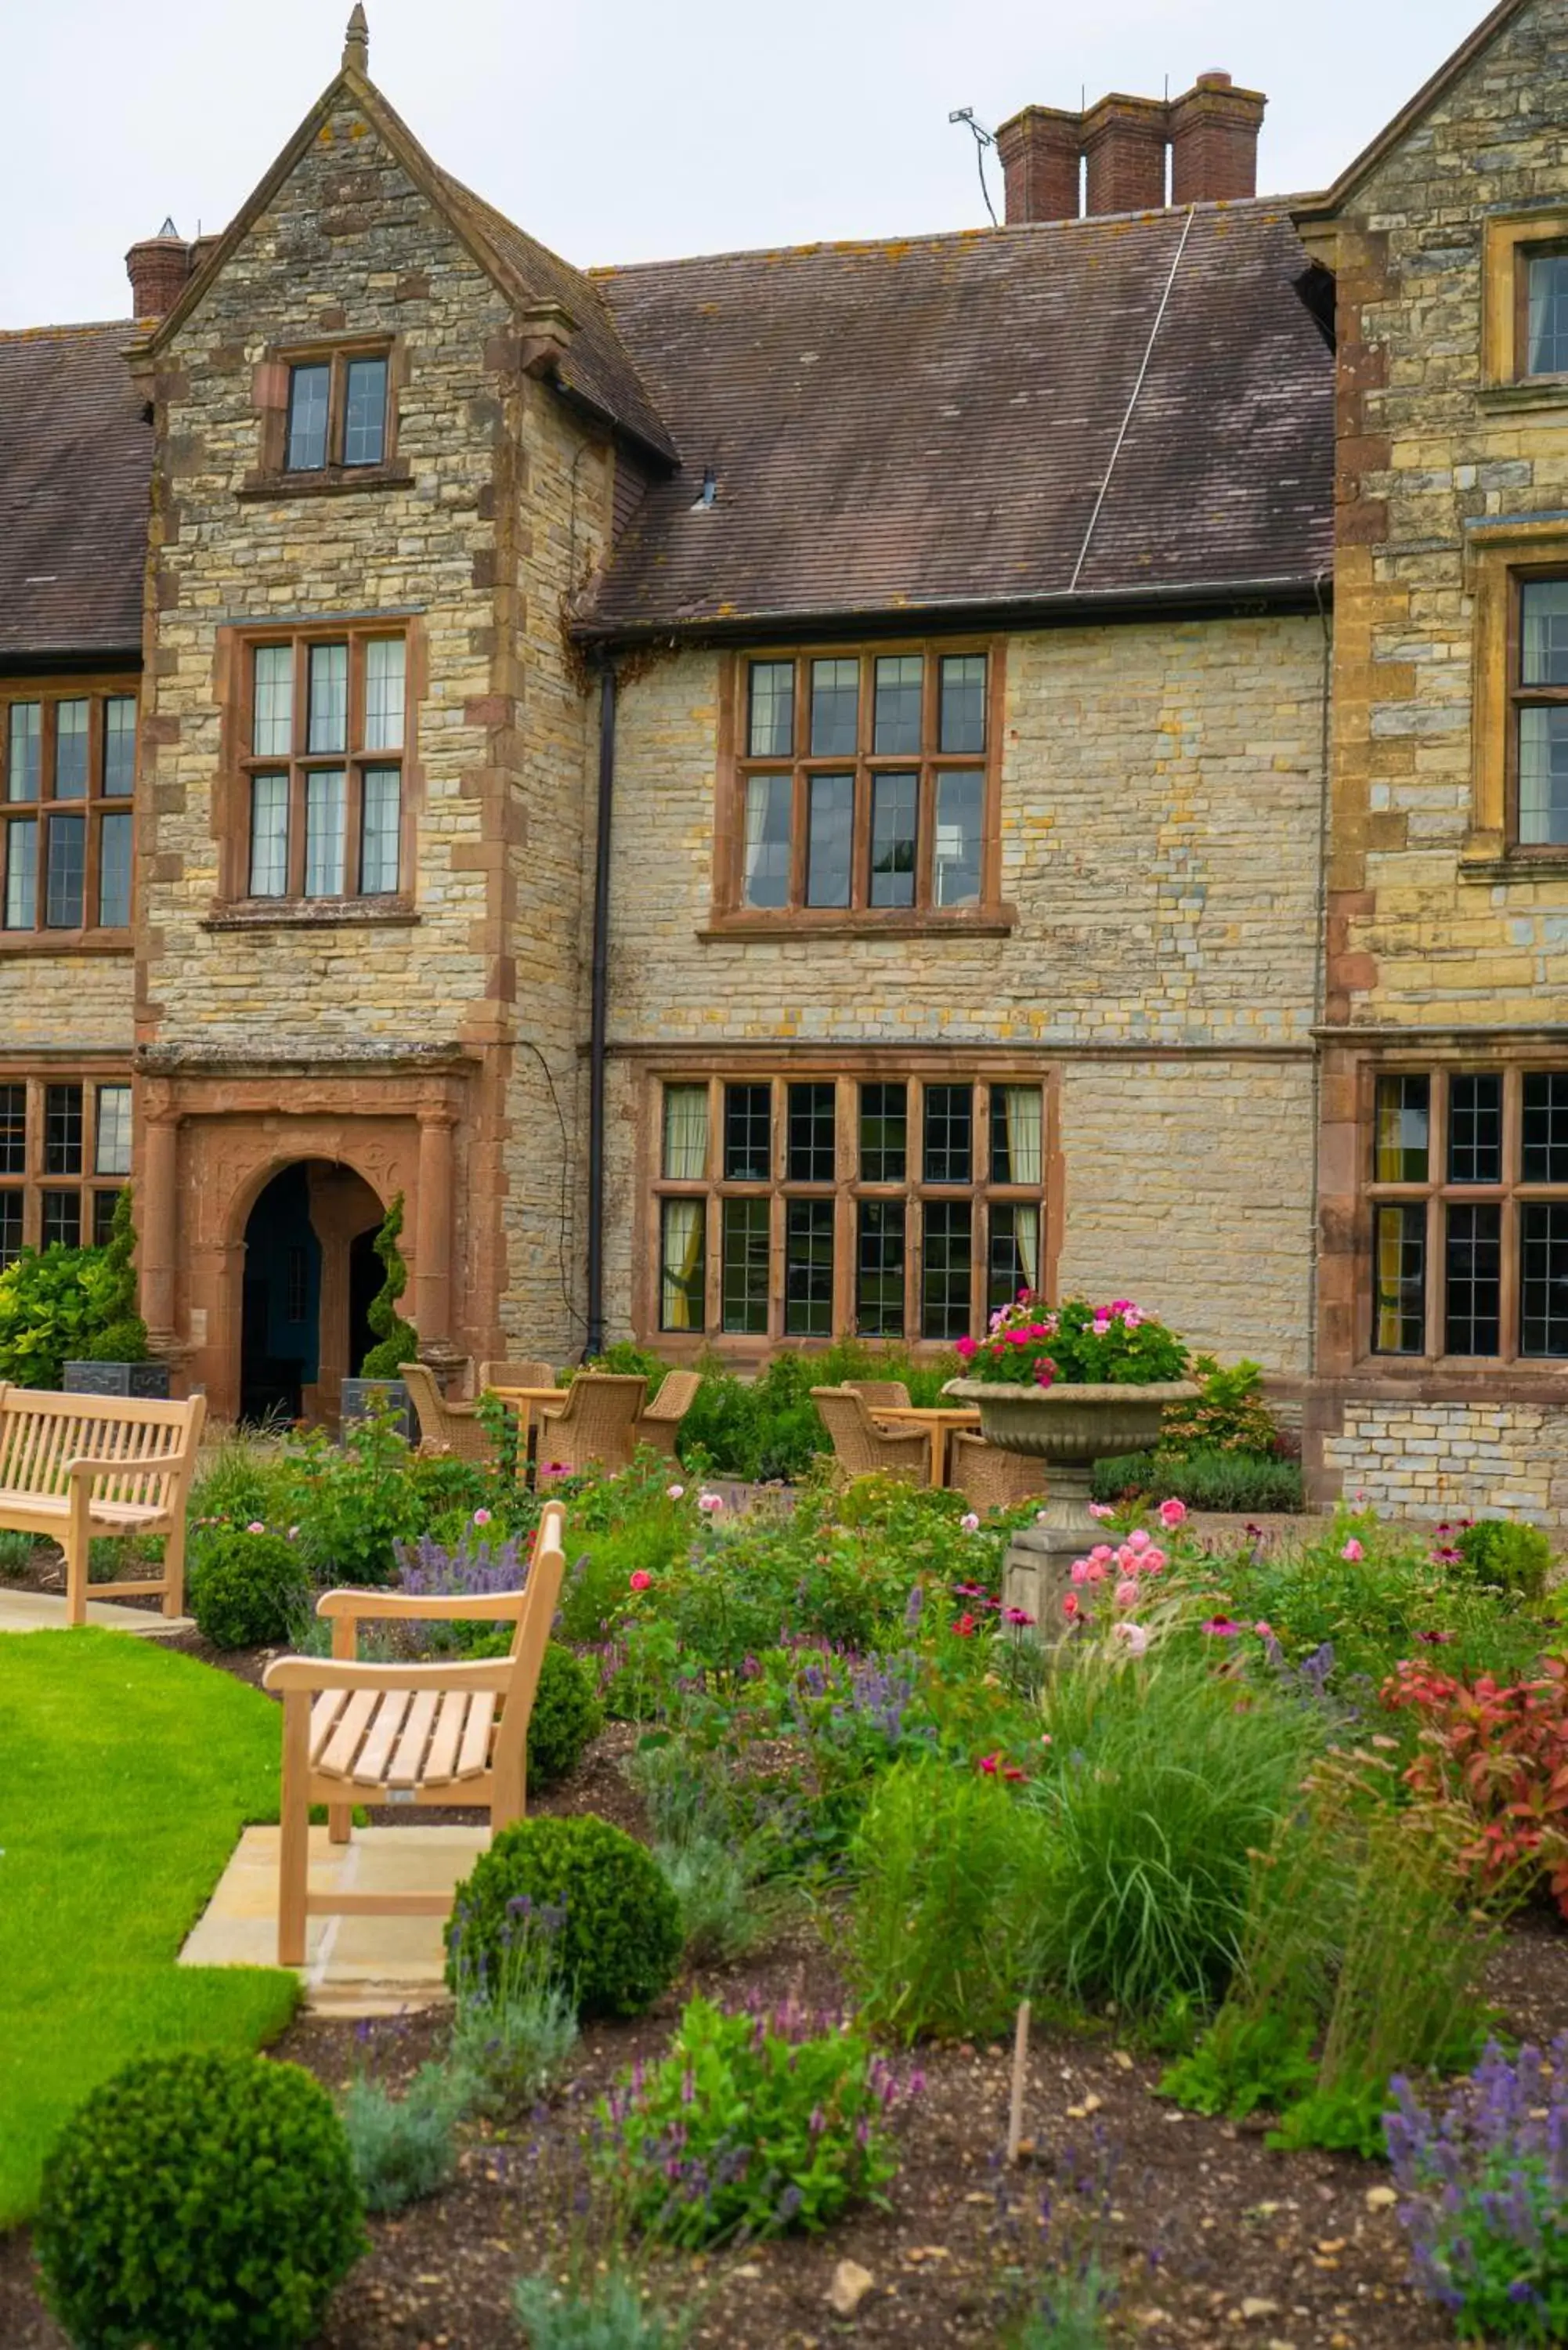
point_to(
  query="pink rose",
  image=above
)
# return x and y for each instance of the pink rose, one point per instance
(1153, 1561)
(256, 1527)
(711, 1503)
(1080, 1570)
(970, 1523)
(1138, 1541)
(1096, 1572)
(1127, 1595)
(1070, 1605)
(1102, 1554)
(1173, 1512)
(641, 1580)
(1135, 1635)
(1353, 1552)
(481, 1517)
(674, 1492)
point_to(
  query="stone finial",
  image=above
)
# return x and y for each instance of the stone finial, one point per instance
(357, 45)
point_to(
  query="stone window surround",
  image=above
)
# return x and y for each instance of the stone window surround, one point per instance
(234, 907)
(38, 1072)
(1500, 556)
(95, 687)
(269, 396)
(1508, 1373)
(859, 1065)
(729, 916)
(1509, 239)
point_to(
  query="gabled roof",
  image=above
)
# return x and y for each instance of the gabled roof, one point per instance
(595, 368)
(1323, 207)
(75, 459)
(926, 424)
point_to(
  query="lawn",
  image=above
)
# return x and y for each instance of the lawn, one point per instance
(126, 1774)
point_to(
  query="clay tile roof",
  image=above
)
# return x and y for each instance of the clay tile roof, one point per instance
(596, 364)
(929, 424)
(75, 458)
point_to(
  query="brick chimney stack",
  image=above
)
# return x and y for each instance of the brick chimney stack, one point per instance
(1212, 134)
(158, 268)
(1214, 142)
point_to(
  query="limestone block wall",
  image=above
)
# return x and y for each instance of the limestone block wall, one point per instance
(1436, 1461)
(65, 1003)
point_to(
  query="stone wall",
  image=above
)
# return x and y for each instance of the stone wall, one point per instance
(1436, 1461)
(65, 1003)
(1160, 812)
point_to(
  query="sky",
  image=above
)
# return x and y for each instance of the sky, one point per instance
(636, 129)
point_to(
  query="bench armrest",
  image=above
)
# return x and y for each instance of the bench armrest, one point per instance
(319, 1673)
(454, 1606)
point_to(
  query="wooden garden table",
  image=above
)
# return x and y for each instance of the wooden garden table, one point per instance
(522, 1401)
(939, 1419)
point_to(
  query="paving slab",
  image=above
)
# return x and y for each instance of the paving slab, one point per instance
(45, 1611)
(354, 1966)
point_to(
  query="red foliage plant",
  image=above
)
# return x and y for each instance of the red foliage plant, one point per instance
(1501, 1754)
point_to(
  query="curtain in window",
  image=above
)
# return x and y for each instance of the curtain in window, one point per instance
(1023, 1107)
(685, 1133)
(1026, 1239)
(682, 1267)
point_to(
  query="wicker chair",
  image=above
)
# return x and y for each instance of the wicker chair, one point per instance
(446, 1427)
(882, 1395)
(659, 1424)
(596, 1421)
(864, 1450)
(989, 1478)
(525, 1374)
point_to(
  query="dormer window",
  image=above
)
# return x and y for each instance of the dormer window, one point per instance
(336, 412)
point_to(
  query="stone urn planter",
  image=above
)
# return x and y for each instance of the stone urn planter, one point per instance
(1070, 1428)
(146, 1382)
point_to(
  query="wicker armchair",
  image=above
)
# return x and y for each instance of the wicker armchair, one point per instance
(446, 1427)
(525, 1374)
(659, 1424)
(882, 1395)
(864, 1450)
(989, 1478)
(596, 1421)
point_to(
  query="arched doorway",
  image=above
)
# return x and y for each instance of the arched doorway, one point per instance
(307, 1284)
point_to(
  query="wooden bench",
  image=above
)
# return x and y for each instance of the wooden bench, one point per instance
(74, 1466)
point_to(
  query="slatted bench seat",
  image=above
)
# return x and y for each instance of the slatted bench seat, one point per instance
(74, 1466)
(447, 1732)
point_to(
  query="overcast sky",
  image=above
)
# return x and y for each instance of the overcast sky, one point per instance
(636, 129)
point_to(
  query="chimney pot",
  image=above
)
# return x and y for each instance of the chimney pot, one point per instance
(1042, 158)
(158, 268)
(1214, 142)
(1125, 140)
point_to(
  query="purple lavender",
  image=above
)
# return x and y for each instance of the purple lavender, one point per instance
(1486, 2189)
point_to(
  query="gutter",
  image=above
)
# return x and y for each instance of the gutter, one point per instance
(1285, 592)
(599, 1015)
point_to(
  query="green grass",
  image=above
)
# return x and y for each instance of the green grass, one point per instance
(126, 1775)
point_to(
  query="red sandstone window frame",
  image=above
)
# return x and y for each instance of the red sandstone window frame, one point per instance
(92, 806)
(272, 476)
(242, 764)
(978, 1071)
(731, 913)
(32, 1193)
(1427, 1204)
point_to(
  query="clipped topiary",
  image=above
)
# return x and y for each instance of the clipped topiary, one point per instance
(397, 1341)
(1515, 1557)
(247, 1589)
(123, 1336)
(620, 1938)
(201, 2201)
(567, 1715)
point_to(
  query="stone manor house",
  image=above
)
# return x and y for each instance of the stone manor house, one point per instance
(791, 792)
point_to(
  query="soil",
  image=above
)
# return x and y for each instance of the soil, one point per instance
(1217, 2238)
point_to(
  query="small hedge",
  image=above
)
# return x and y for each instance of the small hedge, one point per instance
(620, 1938)
(567, 1715)
(1228, 1481)
(199, 2202)
(247, 1589)
(1513, 1556)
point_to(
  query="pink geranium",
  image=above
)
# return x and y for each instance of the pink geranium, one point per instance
(1173, 1512)
(966, 1349)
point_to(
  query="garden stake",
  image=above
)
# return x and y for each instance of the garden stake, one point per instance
(1015, 2111)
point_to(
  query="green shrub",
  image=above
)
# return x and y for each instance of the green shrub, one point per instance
(567, 1715)
(1161, 1784)
(751, 2122)
(247, 1589)
(599, 2308)
(1229, 1416)
(199, 2202)
(123, 1335)
(620, 1938)
(246, 1479)
(397, 1341)
(16, 1550)
(47, 1313)
(1516, 1558)
(941, 1929)
(648, 1539)
(354, 1503)
(722, 1916)
(404, 2149)
(1218, 1481)
(626, 1361)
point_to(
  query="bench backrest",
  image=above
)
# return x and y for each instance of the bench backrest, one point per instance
(536, 1621)
(147, 1449)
